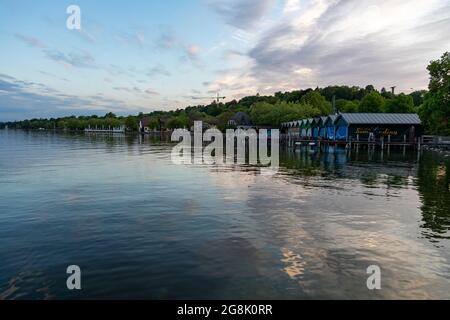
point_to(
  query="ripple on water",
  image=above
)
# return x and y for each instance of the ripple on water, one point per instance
(142, 227)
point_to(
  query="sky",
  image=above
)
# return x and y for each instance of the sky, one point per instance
(140, 56)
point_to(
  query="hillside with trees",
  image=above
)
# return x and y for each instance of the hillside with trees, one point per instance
(263, 110)
(433, 106)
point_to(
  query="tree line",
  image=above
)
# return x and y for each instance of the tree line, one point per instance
(433, 106)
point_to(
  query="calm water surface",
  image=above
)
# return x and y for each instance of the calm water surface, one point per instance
(141, 227)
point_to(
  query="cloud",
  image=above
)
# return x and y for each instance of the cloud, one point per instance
(91, 31)
(151, 92)
(77, 59)
(20, 99)
(86, 35)
(242, 14)
(51, 75)
(158, 70)
(136, 39)
(166, 39)
(344, 42)
(192, 52)
(128, 89)
(193, 55)
(136, 90)
(31, 41)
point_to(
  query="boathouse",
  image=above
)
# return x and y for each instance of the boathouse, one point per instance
(314, 127)
(400, 127)
(371, 126)
(144, 124)
(329, 127)
(322, 129)
(302, 128)
(292, 129)
(308, 127)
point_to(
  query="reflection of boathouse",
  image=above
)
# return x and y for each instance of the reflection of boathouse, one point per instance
(358, 127)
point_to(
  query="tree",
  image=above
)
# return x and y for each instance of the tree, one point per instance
(131, 123)
(400, 104)
(316, 100)
(110, 115)
(370, 88)
(435, 111)
(386, 94)
(179, 122)
(266, 114)
(418, 97)
(346, 106)
(154, 124)
(373, 102)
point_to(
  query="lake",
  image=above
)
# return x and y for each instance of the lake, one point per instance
(141, 227)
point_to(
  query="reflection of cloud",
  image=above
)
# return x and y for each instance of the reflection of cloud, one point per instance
(295, 266)
(235, 179)
(19, 287)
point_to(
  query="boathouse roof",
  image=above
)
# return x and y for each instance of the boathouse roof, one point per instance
(145, 121)
(330, 120)
(380, 118)
(358, 118)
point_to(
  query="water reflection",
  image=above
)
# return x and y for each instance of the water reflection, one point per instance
(119, 207)
(433, 182)
(428, 172)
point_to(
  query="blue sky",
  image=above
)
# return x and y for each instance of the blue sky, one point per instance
(132, 56)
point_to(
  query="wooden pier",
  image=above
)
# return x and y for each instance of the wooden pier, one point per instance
(381, 143)
(105, 130)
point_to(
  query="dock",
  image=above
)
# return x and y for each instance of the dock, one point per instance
(105, 130)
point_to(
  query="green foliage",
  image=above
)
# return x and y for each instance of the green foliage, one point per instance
(266, 114)
(178, 122)
(346, 106)
(400, 104)
(373, 102)
(131, 123)
(434, 107)
(317, 101)
(418, 97)
(223, 118)
(154, 123)
(370, 88)
(386, 94)
(435, 111)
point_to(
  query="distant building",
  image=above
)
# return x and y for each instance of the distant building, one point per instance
(144, 125)
(205, 126)
(241, 120)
